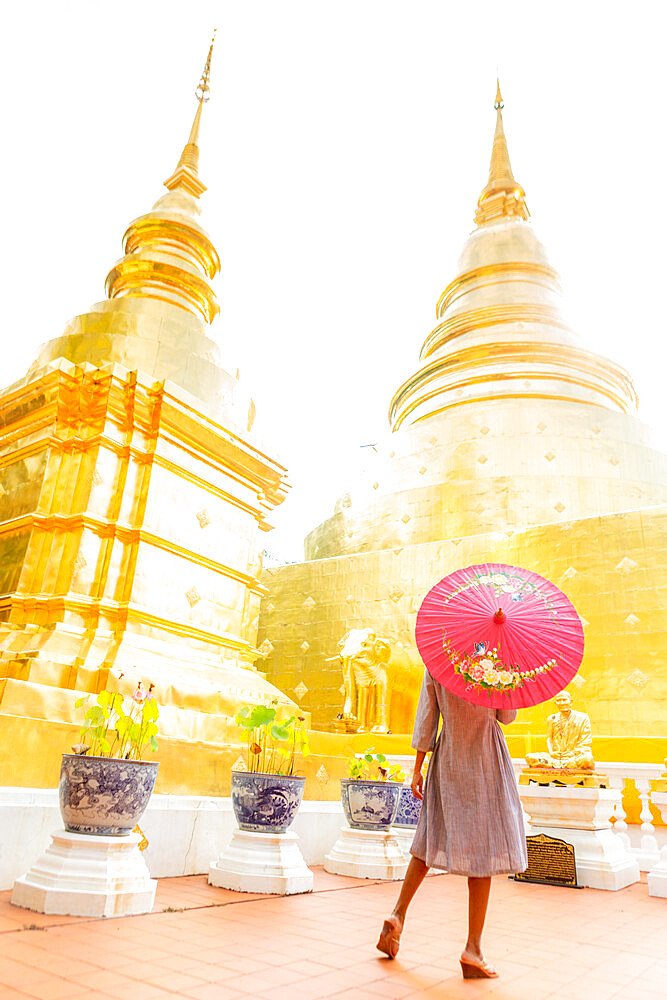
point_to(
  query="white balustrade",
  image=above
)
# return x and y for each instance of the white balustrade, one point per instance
(644, 841)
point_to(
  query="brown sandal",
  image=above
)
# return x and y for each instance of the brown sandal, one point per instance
(474, 970)
(390, 938)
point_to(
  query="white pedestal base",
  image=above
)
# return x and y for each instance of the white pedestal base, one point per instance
(85, 876)
(569, 806)
(600, 858)
(366, 854)
(657, 876)
(580, 816)
(404, 835)
(262, 862)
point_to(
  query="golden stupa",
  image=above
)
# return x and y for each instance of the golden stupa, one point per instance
(133, 502)
(512, 442)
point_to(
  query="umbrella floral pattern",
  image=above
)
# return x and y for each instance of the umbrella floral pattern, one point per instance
(499, 636)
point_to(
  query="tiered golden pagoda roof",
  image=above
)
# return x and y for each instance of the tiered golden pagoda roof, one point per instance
(168, 256)
(160, 301)
(501, 332)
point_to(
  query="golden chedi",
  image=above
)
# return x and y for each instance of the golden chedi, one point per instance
(512, 442)
(133, 502)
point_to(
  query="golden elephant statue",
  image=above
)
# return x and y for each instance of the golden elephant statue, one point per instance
(381, 683)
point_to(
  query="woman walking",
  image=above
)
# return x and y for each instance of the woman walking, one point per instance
(471, 821)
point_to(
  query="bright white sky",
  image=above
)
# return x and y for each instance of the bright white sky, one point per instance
(344, 148)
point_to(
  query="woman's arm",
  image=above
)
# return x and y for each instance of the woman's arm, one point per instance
(427, 717)
(425, 732)
(417, 783)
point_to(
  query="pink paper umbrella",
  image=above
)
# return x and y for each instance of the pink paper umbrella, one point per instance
(499, 636)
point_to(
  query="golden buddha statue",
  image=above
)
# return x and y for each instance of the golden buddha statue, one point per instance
(569, 739)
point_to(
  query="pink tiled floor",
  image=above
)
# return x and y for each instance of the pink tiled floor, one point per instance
(209, 944)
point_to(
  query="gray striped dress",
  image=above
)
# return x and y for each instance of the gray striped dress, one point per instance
(471, 821)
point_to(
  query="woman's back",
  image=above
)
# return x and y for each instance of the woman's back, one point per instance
(472, 821)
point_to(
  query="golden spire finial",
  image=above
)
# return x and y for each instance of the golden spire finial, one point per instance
(202, 91)
(502, 196)
(185, 175)
(500, 168)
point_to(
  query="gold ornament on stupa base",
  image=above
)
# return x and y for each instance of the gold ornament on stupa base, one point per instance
(380, 683)
(569, 757)
(363, 657)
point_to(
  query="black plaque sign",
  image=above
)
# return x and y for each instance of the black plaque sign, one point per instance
(550, 862)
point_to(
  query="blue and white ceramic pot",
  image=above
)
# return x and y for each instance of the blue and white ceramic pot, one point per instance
(265, 803)
(409, 809)
(369, 805)
(105, 796)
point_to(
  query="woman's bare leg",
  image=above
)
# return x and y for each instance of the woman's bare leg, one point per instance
(478, 901)
(414, 876)
(393, 925)
(390, 934)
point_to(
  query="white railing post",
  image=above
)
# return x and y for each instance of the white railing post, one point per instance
(648, 852)
(620, 827)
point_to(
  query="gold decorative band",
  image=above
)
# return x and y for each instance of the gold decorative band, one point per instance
(569, 365)
(38, 606)
(128, 535)
(486, 316)
(502, 270)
